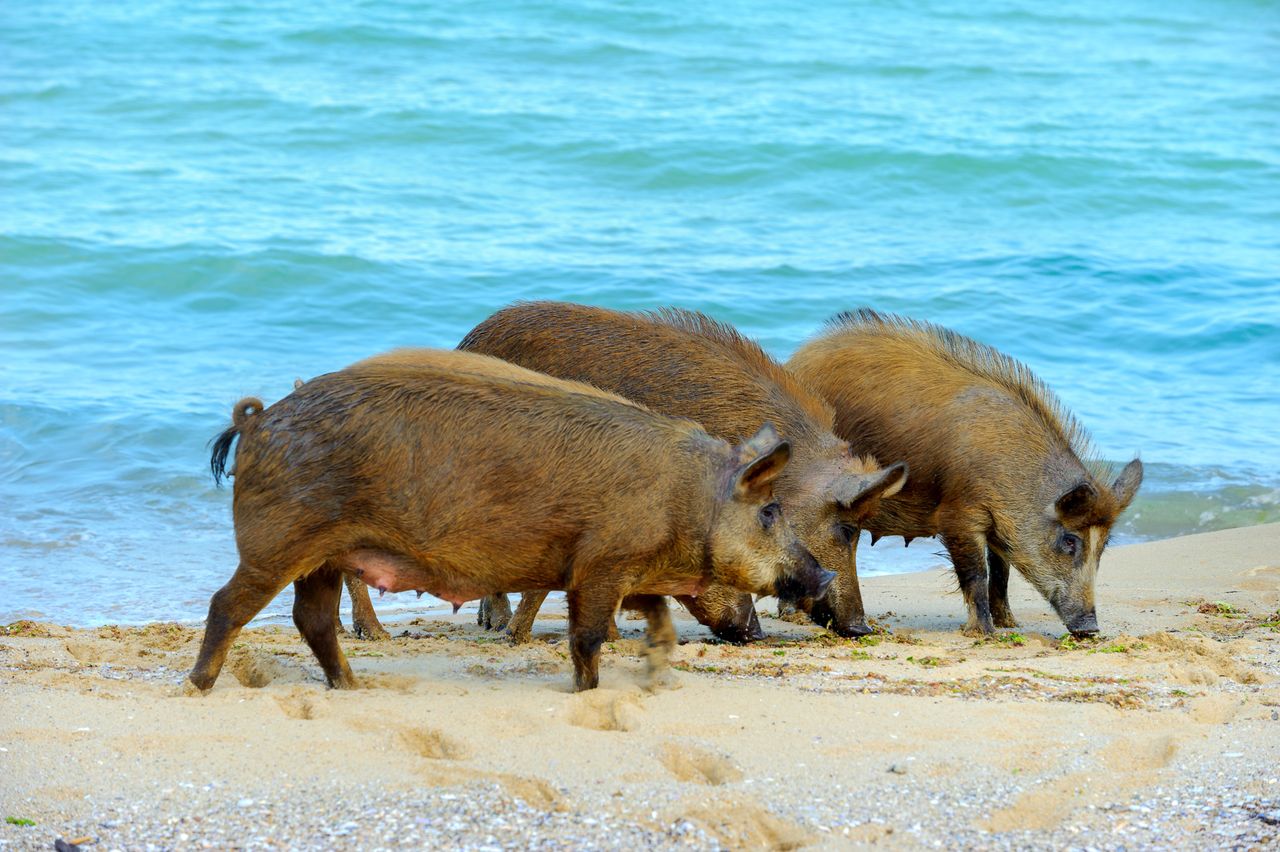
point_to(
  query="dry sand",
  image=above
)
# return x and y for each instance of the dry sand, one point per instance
(1164, 733)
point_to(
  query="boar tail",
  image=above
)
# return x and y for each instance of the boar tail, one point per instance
(240, 414)
(244, 409)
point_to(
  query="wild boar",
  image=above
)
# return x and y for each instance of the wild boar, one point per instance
(1001, 472)
(459, 475)
(686, 364)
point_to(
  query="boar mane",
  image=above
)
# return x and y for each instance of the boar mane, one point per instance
(987, 365)
(749, 353)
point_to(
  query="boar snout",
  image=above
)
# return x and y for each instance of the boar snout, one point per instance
(1084, 624)
(1081, 619)
(738, 633)
(805, 579)
(728, 613)
(822, 613)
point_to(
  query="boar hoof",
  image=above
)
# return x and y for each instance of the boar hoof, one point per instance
(187, 689)
(371, 632)
(519, 634)
(663, 680)
(975, 630)
(786, 609)
(1004, 619)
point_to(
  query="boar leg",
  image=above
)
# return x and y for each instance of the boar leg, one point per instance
(244, 596)
(494, 612)
(337, 618)
(364, 621)
(660, 635)
(520, 627)
(315, 599)
(969, 557)
(590, 612)
(998, 588)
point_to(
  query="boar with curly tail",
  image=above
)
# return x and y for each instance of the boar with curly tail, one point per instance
(461, 475)
(1000, 471)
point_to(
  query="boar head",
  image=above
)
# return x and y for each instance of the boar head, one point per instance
(1058, 550)
(828, 518)
(753, 546)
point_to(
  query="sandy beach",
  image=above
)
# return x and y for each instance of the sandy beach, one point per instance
(1163, 733)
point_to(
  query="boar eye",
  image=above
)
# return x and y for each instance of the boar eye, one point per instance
(1069, 543)
(846, 533)
(769, 515)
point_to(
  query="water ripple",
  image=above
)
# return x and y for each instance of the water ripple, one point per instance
(271, 191)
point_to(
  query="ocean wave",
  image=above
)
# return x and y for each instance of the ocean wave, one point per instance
(358, 36)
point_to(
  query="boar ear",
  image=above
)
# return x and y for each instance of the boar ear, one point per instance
(757, 475)
(1076, 502)
(853, 489)
(758, 444)
(1126, 484)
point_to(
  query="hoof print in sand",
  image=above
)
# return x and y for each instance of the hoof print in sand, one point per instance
(94, 652)
(1127, 754)
(605, 710)
(403, 684)
(297, 706)
(434, 745)
(1215, 709)
(689, 763)
(255, 670)
(746, 825)
(1199, 662)
(533, 791)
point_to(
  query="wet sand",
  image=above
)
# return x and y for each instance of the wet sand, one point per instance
(1164, 732)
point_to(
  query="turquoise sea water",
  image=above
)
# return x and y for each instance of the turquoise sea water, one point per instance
(203, 200)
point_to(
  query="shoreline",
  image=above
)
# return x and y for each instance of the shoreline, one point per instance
(409, 608)
(1166, 727)
(888, 558)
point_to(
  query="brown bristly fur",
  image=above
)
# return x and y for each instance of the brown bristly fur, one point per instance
(819, 415)
(1001, 471)
(364, 619)
(685, 364)
(461, 475)
(925, 341)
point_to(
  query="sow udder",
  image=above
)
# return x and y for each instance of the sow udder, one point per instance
(393, 572)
